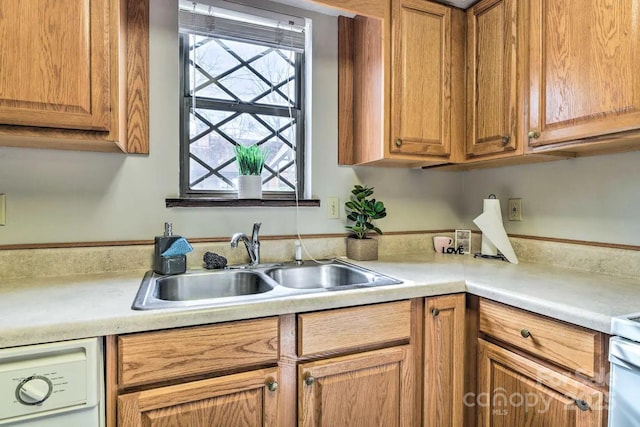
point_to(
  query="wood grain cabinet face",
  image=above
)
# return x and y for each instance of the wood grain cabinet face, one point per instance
(421, 78)
(578, 349)
(492, 51)
(199, 376)
(516, 391)
(584, 58)
(55, 76)
(240, 400)
(366, 389)
(74, 74)
(444, 346)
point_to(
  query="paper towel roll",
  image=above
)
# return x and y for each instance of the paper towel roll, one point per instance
(487, 247)
(490, 223)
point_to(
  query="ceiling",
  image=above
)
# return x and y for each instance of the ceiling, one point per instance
(462, 4)
(317, 7)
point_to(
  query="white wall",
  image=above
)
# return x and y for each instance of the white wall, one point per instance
(594, 198)
(64, 196)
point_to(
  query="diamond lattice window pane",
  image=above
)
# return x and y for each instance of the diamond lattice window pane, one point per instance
(246, 130)
(208, 61)
(244, 84)
(258, 80)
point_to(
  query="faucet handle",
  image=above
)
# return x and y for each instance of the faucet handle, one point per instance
(256, 230)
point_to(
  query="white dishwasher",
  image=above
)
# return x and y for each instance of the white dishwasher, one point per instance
(53, 385)
(624, 355)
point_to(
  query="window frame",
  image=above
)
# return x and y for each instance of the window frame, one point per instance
(298, 113)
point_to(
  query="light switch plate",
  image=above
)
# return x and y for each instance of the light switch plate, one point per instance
(515, 209)
(333, 207)
(3, 216)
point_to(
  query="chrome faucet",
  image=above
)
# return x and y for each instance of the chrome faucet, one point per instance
(253, 245)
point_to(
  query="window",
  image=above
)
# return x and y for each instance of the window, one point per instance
(242, 83)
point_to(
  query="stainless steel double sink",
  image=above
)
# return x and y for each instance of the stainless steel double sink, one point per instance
(233, 286)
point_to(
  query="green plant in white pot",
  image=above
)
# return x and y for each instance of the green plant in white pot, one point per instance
(250, 160)
(363, 211)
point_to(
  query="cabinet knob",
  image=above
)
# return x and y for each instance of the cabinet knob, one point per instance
(533, 134)
(309, 380)
(582, 405)
(506, 139)
(525, 333)
(435, 312)
(398, 142)
(272, 385)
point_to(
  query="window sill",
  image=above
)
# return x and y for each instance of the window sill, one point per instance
(202, 202)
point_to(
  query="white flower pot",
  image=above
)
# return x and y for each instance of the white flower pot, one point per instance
(249, 187)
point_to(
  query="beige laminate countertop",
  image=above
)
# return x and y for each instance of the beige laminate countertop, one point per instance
(61, 308)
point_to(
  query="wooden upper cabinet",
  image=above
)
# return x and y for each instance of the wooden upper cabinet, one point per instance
(55, 70)
(421, 78)
(584, 61)
(492, 79)
(74, 74)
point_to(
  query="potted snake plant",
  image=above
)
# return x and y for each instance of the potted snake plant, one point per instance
(250, 160)
(363, 210)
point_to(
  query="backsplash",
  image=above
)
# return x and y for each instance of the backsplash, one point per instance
(29, 263)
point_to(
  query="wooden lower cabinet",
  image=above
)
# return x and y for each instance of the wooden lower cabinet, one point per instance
(514, 390)
(248, 399)
(444, 368)
(374, 388)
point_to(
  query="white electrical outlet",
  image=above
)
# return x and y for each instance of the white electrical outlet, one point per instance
(3, 217)
(515, 209)
(333, 207)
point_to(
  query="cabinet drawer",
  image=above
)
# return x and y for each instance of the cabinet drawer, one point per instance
(350, 328)
(570, 346)
(151, 357)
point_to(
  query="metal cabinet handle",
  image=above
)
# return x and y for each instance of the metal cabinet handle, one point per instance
(398, 142)
(435, 312)
(534, 134)
(309, 380)
(582, 405)
(525, 333)
(506, 139)
(272, 385)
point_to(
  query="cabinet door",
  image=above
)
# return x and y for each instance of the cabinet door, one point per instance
(584, 60)
(444, 369)
(55, 64)
(516, 391)
(492, 41)
(369, 389)
(421, 75)
(249, 399)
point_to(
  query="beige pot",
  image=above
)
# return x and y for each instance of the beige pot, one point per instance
(362, 249)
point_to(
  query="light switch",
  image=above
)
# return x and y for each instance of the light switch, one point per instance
(333, 207)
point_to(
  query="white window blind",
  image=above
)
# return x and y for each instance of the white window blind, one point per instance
(243, 24)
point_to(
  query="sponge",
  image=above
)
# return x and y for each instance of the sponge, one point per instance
(214, 261)
(179, 247)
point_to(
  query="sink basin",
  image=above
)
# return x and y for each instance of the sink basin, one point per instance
(333, 275)
(186, 287)
(208, 288)
(239, 286)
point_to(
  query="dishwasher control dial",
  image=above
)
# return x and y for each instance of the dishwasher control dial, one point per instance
(34, 390)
